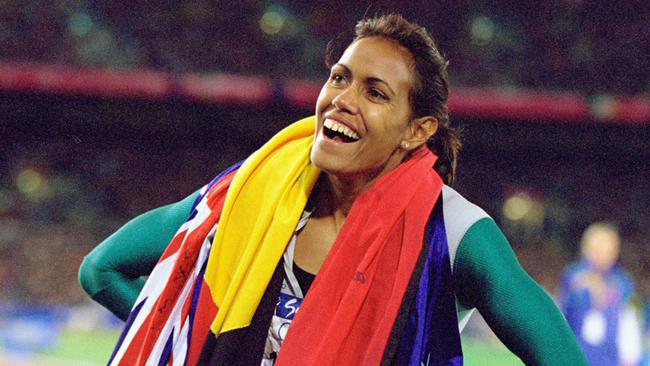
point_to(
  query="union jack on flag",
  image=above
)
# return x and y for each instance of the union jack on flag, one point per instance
(172, 315)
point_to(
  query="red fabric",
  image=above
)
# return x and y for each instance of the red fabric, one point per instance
(206, 311)
(134, 354)
(349, 311)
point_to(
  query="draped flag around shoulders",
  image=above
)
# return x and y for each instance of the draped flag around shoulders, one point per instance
(250, 213)
(214, 273)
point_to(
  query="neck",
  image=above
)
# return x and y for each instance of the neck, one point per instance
(335, 196)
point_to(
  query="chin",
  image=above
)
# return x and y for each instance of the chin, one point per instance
(328, 165)
(323, 163)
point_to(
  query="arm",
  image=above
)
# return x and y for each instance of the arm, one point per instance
(112, 273)
(489, 277)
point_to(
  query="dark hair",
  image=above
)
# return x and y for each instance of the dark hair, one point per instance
(430, 93)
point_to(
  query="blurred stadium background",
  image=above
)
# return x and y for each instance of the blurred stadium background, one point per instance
(111, 108)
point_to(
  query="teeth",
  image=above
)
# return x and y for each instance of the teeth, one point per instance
(335, 126)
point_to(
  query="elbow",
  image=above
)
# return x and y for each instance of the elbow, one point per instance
(90, 275)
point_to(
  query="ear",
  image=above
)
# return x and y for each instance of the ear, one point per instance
(420, 130)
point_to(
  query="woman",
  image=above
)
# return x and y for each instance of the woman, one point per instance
(400, 257)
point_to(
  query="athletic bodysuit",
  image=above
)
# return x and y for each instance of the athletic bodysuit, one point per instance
(486, 273)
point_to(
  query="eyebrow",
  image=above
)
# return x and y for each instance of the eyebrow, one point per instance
(369, 80)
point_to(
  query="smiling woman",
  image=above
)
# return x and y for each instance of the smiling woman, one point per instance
(346, 217)
(368, 96)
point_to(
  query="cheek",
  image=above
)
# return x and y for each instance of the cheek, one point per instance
(393, 127)
(324, 99)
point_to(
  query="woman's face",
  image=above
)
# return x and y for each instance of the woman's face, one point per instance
(363, 110)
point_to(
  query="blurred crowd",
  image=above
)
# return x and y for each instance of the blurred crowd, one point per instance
(56, 204)
(596, 47)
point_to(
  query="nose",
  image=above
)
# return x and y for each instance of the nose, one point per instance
(346, 101)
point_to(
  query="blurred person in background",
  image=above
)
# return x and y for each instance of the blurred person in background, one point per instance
(596, 295)
(347, 216)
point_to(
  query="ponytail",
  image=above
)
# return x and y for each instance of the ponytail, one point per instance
(446, 144)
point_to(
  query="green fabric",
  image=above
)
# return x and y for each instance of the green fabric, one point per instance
(112, 272)
(489, 277)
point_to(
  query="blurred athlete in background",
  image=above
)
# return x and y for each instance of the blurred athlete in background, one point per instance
(596, 298)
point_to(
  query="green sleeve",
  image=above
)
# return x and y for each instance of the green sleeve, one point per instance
(112, 273)
(489, 277)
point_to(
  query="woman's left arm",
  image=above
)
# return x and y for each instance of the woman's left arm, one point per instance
(488, 276)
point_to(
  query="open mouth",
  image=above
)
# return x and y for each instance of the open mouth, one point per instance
(339, 132)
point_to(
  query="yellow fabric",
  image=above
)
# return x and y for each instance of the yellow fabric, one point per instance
(262, 208)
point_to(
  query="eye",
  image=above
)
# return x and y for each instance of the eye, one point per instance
(337, 79)
(377, 94)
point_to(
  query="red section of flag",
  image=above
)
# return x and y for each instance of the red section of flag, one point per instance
(203, 317)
